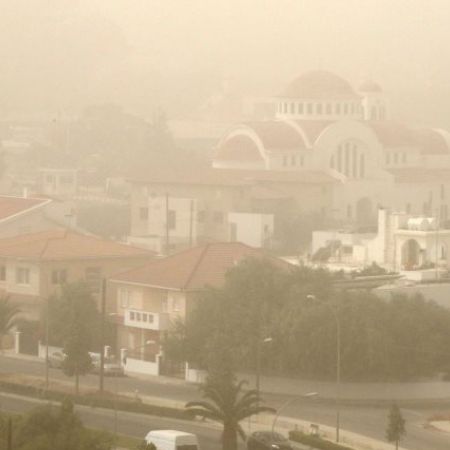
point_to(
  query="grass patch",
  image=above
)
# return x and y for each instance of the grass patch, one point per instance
(315, 442)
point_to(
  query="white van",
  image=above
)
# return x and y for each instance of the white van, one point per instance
(172, 440)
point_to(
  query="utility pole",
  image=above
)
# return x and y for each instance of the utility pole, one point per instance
(9, 435)
(47, 325)
(102, 337)
(191, 222)
(167, 224)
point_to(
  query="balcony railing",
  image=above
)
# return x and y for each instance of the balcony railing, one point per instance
(146, 320)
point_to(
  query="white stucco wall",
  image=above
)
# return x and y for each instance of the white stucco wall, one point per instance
(252, 229)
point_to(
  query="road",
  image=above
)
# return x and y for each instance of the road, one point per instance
(130, 424)
(370, 421)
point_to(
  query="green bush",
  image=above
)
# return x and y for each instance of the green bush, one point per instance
(95, 400)
(315, 442)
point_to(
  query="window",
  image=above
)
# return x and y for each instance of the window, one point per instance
(293, 160)
(408, 208)
(22, 275)
(382, 112)
(404, 158)
(125, 298)
(319, 108)
(373, 113)
(362, 166)
(143, 213)
(292, 108)
(339, 159)
(49, 178)
(345, 108)
(218, 216)
(395, 158)
(442, 191)
(352, 108)
(93, 277)
(302, 160)
(300, 108)
(332, 162)
(337, 108)
(347, 160)
(2, 273)
(131, 315)
(284, 161)
(349, 211)
(285, 107)
(176, 304)
(328, 108)
(309, 108)
(171, 219)
(388, 158)
(354, 161)
(59, 276)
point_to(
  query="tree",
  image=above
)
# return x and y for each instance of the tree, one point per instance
(396, 425)
(8, 319)
(49, 428)
(75, 323)
(228, 405)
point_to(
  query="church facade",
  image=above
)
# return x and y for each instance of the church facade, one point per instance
(322, 124)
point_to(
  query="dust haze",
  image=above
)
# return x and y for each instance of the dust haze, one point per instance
(66, 54)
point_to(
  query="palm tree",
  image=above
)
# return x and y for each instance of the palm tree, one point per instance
(8, 311)
(228, 405)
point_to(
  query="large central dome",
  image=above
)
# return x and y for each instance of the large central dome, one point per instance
(319, 85)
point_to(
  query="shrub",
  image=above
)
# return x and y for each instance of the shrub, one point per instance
(94, 400)
(315, 442)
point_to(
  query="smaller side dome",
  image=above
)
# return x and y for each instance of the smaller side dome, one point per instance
(370, 87)
(238, 148)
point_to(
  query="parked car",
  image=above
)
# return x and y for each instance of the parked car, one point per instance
(56, 359)
(267, 440)
(111, 366)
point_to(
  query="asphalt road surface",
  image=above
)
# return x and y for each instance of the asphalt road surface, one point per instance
(370, 421)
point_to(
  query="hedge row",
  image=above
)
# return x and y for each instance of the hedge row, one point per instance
(314, 441)
(95, 400)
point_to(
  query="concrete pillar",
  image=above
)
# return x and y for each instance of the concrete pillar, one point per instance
(123, 356)
(17, 342)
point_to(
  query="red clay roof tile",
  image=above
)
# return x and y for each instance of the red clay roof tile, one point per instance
(196, 268)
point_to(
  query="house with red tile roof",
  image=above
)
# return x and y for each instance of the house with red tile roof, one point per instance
(23, 215)
(150, 298)
(34, 266)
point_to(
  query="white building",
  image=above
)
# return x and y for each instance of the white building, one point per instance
(323, 124)
(403, 243)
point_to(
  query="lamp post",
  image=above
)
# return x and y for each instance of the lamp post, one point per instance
(258, 361)
(292, 400)
(338, 363)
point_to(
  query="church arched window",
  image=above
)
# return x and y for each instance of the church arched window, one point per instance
(362, 167)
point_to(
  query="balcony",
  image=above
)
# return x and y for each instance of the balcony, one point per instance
(146, 320)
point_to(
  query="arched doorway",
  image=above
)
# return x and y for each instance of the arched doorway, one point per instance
(410, 254)
(364, 216)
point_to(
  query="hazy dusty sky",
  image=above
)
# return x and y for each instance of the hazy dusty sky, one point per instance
(145, 51)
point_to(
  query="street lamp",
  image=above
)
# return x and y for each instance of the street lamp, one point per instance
(258, 360)
(338, 362)
(292, 400)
